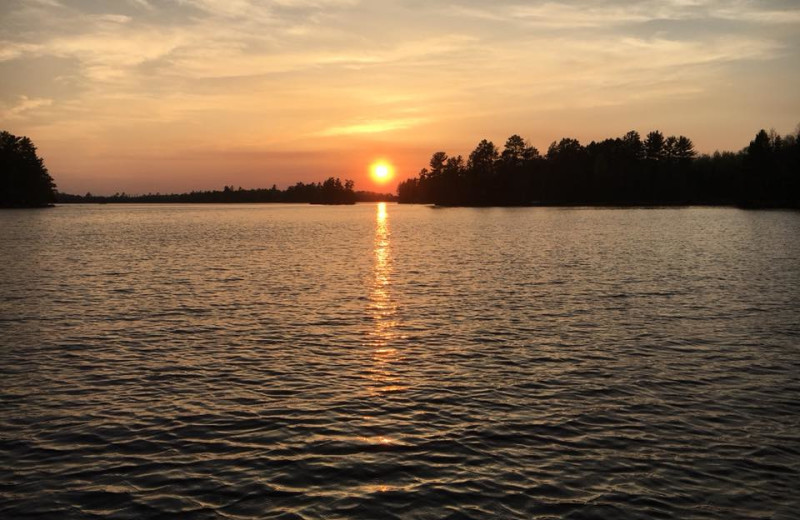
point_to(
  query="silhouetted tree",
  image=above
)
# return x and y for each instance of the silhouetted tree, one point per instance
(670, 147)
(622, 170)
(437, 163)
(436, 182)
(454, 167)
(771, 174)
(482, 159)
(517, 151)
(633, 146)
(654, 146)
(684, 148)
(24, 180)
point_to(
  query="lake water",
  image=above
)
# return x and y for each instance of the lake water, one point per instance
(385, 361)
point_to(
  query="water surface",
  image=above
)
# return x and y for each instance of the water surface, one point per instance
(384, 361)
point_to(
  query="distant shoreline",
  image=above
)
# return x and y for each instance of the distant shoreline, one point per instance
(330, 192)
(443, 206)
(157, 202)
(612, 205)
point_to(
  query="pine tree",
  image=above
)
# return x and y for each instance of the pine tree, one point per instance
(24, 180)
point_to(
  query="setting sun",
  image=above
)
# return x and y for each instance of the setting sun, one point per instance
(381, 172)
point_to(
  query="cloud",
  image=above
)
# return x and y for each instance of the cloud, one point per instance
(23, 106)
(594, 15)
(144, 4)
(761, 16)
(10, 50)
(372, 127)
(261, 9)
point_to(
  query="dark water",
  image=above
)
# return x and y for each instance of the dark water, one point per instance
(399, 362)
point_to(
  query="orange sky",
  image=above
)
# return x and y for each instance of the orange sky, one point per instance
(174, 95)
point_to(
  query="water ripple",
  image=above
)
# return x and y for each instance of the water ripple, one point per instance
(295, 362)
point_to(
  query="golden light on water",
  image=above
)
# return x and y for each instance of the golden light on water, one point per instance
(381, 220)
(383, 375)
(381, 171)
(382, 309)
(381, 306)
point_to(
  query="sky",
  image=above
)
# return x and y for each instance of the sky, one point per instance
(145, 96)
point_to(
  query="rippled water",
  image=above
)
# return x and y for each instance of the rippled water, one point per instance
(384, 361)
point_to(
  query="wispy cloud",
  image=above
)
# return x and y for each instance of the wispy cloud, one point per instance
(372, 127)
(10, 50)
(144, 4)
(23, 106)
(586, 14)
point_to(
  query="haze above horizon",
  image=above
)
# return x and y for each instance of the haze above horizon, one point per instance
(175, 95)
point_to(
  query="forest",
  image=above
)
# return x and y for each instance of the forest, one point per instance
(626, 171)
(331, 191)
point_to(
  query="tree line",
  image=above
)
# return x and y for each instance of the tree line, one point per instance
(330, 191)
(627, 170)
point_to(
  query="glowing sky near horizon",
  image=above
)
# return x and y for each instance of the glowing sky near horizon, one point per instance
(175, 95)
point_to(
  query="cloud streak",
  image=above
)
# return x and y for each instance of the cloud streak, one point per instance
(23, 106)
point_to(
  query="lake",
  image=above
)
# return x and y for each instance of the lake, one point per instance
(389, 361)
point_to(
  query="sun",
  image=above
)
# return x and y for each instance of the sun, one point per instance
(381, 172)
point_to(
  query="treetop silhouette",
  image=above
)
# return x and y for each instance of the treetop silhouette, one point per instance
(24, 179)
(658, 170)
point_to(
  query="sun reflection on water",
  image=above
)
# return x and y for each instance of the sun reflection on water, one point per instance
(384, 376)
(382, 310)
(381, 307)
